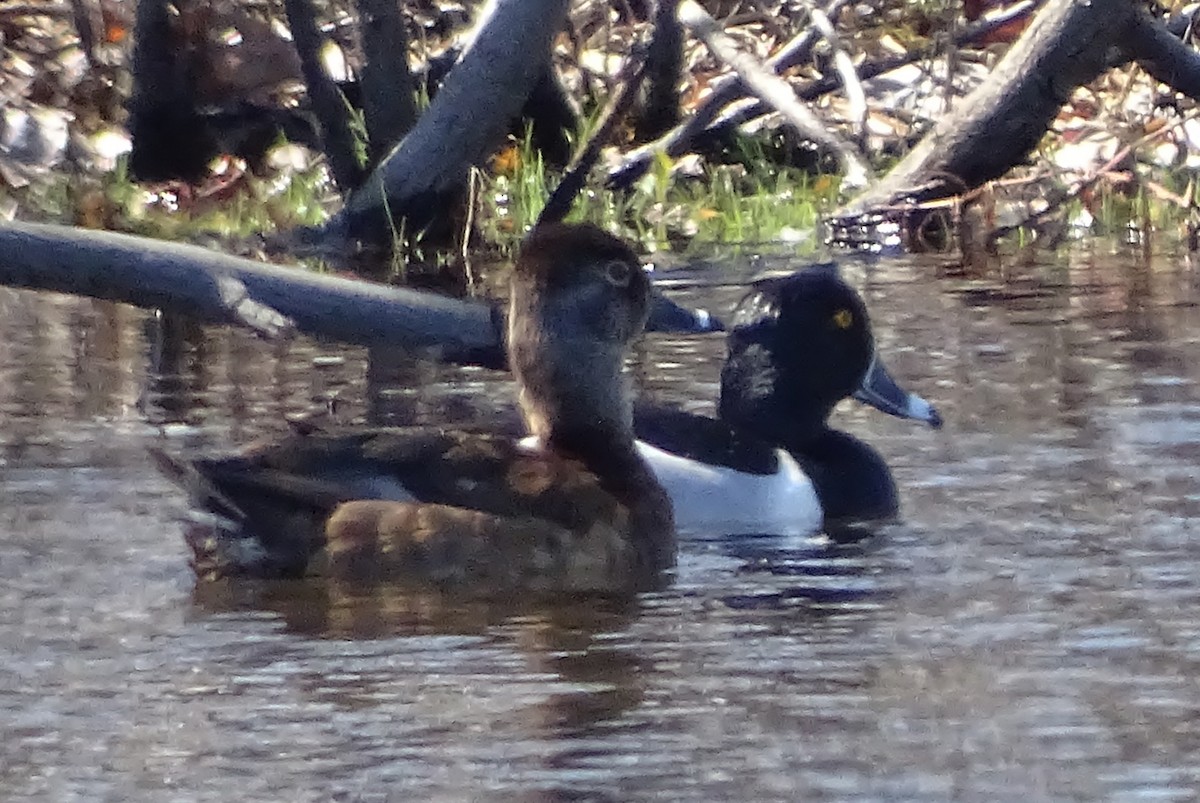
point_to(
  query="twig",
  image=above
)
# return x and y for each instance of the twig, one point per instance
(1058, 199)
(559, 203)
(677, 141)
(842, 62)
(469, 224)
(774, 91)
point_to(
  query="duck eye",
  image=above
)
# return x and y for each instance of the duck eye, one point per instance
(843, 318)
(618, 273)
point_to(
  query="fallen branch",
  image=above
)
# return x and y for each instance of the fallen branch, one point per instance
(561, 199)
(426, 173)
(1067, 44)
(272, 300)
(218, 288)
(774, 91)
(856, 97)
(1159, 51)
(712, 119)
(1054, 203)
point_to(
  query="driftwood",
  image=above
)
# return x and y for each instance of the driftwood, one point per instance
(481, 96)
(1068, 44)
(995, 126)
(774, 91)
(219, 288)
(714, 117)
(272, 300)
(337, 136)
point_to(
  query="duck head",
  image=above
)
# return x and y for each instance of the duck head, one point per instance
(800, 344)
(578, 298)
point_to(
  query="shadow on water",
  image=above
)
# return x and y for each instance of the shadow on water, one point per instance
(1029, 629)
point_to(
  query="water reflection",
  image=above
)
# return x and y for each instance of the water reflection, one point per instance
(1029, 630)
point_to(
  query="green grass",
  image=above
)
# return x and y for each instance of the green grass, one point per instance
(677, 204)
(112, 200)
(752, 201)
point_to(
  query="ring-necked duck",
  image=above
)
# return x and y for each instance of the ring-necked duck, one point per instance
(581, 512)
(771, 463)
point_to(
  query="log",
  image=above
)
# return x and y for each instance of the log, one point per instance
(1068, 44)
(479, 99)
(219, 288)
(273, 300)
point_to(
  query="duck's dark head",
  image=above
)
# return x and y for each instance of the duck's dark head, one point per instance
(578, 298)
(800, 344)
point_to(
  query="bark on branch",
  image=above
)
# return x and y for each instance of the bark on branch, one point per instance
(773, 90)
(219, 288)
(270, 299)
(1159, 51)
(1068, 44)
(479, 99)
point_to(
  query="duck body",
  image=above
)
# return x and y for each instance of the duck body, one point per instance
(580, 512)
(439, 506)
(759, 487)
(771, 463)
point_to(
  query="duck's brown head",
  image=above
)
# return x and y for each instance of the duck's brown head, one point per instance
(578, 298)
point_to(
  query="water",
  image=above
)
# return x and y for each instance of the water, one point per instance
(1031, 631)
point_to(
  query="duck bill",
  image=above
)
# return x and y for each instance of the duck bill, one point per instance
(667, 316)
(879, 390)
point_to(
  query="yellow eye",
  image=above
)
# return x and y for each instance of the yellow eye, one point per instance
(843, 319)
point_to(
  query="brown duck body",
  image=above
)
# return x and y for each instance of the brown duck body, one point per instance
(454, 509)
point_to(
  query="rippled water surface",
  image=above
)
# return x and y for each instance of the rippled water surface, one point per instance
(1030, 631)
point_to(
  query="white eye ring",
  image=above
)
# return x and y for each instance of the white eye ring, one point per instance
(618, 273)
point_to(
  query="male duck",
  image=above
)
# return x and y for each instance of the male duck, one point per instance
(771, 464)
(581, 512)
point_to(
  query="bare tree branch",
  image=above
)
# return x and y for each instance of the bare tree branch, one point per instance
(664, 64)
(559, 203)
(479, 99)
(727, 91)
(389, 93)
(773, 90)
(1067, 44)
(337, 138)
(219, 288)
(1160, 53)
(842, 62)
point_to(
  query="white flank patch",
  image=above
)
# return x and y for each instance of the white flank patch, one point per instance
(711, 500)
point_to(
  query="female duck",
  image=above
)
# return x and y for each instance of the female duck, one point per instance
(581, 512)
(771, 464)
